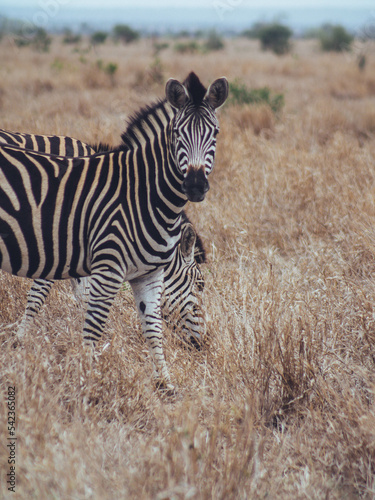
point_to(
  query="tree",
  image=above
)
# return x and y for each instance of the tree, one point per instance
(275, 37)
(214, 41)
(98, 37)
(125, 33)
(335, 38)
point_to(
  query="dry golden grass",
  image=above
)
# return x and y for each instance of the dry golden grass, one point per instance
(281, 405)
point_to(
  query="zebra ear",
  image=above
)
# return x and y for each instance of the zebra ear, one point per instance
(187, 242)
(217, 92)
(176, 93)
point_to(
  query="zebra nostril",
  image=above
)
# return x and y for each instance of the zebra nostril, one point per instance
(195, 184)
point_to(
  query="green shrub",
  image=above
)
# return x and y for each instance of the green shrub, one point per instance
(187, 47)
(240, 94)
(335, 38)
(156, 71)
(42, 40)
(71, 38)
(159, 46)
(361, 61)
(275, 37)
(99, 37)
(254, 31)
(125, 33)
(57, 64)
(22, 42)
(37, 38)
(110, 69)
(214, 41)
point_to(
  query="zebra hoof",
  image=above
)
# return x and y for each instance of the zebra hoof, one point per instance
(17, 343)
(194, 342)
(166, 389)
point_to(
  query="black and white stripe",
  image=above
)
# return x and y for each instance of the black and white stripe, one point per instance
(183, 280)
(113, 216)
(52, 144)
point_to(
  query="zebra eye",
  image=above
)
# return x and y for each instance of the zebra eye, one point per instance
(216, 132)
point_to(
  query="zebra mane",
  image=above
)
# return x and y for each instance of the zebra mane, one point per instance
(101, 147)
(135, 122)
(196, 89)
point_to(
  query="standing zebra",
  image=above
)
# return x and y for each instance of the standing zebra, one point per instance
(114, 216)
(183, 280)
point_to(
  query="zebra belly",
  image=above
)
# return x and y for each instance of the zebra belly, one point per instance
(28, 255)
(37, 253)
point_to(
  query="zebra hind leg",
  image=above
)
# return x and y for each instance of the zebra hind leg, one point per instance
(35, 299)
(104, 285)
(103, 289)
(147, 293)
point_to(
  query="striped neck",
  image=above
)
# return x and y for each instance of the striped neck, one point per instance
(147, 144)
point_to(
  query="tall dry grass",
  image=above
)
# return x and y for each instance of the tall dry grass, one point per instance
(281, 405)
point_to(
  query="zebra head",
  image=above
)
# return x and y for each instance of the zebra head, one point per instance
(183, 288)
(195, 127)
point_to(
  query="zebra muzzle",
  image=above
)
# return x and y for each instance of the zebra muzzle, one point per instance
(195, 184)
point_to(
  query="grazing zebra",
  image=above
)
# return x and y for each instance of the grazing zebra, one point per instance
(113, 216)
(183, 279)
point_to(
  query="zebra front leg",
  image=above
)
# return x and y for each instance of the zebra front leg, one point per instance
(35, 299)
(147, 292)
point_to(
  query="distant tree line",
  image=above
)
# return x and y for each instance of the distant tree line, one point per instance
(274, 36)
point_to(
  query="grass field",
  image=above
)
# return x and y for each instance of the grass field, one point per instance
(281, 404)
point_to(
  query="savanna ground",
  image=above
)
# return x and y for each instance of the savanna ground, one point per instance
(281, 404)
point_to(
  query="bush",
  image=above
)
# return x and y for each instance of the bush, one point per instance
(275, 37)
(110, 69)
(186, 47)
(253, 32)
(159, 46)
(98, 37)
(335, 38)
(214, 41)
(38, 39)
(240, 94)
(70, 37)
(156, 71)
(125, 33)
(57, 64)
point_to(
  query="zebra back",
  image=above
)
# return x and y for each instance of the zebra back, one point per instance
(52, 144)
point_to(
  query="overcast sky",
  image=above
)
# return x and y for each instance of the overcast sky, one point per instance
(369, 4)
(151, 16)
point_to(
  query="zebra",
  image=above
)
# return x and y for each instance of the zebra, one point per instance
(183, 279)
(114, 216)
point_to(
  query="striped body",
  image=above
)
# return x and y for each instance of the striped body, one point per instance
(183, 280)
(52, 144)
(114, 216)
